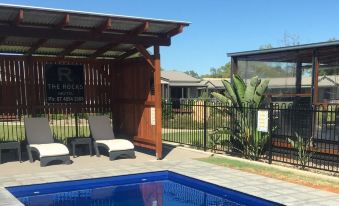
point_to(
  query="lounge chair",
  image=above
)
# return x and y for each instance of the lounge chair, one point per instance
(40, 139)
(103, 136)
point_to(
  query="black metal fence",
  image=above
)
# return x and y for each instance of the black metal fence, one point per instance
(302, 135)
(65, 121)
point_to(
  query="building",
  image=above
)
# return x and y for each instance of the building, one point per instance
(177, 85)
(214, 85)
(280, 86)
(308, 72)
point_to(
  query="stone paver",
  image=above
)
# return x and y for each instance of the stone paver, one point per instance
(177, 160)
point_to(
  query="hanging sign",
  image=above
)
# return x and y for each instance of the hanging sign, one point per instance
(64, 83)
(262, 121)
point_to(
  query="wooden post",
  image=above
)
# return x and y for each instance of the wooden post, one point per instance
(157, 88)
(298, 76)
(234, 67)
(315, 76)
(168, 92)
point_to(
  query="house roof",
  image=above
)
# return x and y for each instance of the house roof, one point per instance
(181, 79)
(176, 76)
(215, 83)
(164, 80)
(324, 81)
(43, 31)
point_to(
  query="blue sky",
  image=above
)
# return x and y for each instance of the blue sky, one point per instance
(220, 26)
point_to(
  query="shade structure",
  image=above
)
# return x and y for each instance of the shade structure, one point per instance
(121, 75)
(310, 63)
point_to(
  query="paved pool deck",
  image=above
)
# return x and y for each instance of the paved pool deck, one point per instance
(178, 159)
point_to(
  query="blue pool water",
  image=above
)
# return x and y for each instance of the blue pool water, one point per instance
(163, 188)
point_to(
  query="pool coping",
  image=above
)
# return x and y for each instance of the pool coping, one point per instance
(263, 187)
(138, 178)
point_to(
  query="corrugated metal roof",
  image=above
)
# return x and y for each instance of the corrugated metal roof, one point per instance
(87, 22)
(284, 49)
(43, 9)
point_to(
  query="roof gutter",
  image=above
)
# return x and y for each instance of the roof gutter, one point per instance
(284, 49)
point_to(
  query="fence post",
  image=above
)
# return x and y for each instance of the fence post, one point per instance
(205, 126)
(270, 128)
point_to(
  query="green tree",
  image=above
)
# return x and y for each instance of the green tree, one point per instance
(332, 39)
(266, 46)
(192, 73)
(264, 69)
(221, 72)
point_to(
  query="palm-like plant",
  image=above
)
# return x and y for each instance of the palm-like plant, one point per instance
(303, 147)
(244, 101)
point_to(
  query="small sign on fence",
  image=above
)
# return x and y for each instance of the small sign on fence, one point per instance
(152, 116)
(64, 83)
(262, 121)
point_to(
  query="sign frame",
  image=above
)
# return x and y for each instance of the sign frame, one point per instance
(263, 120)
(64, 83)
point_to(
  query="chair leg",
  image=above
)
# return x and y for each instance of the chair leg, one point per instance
(73, 149)
(29, 152)
(0, 156)
(19, 153)
(90, 149)
(96, 148)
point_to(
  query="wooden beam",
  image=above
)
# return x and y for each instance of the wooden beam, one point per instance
(145, 54)
(64, 22)
(127, 54)
(103, 49)
(107, 24)
(175, 31)
(36, 46)
(140, 29)
(109, 46)
(73, 35)
(70, 48)
(19, 18)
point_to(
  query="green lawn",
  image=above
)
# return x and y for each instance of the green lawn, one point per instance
(17, 132)
(190, 137)
(185, 137)
(312, 180)
(194, 137)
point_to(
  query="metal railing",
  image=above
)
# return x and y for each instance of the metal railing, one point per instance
(195, 122)
(65, 122)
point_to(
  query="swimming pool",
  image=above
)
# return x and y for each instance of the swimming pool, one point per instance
(164, 188)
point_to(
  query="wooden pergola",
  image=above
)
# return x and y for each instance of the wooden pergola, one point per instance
(120, 74)
(316, 54)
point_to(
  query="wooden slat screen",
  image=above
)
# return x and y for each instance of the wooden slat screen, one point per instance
(23, 86)
(121, 90)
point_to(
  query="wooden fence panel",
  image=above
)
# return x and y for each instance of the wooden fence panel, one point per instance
(22, 84)
(121, 90)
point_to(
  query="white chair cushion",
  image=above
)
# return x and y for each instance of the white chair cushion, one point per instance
(117, 144)
(50, 150)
